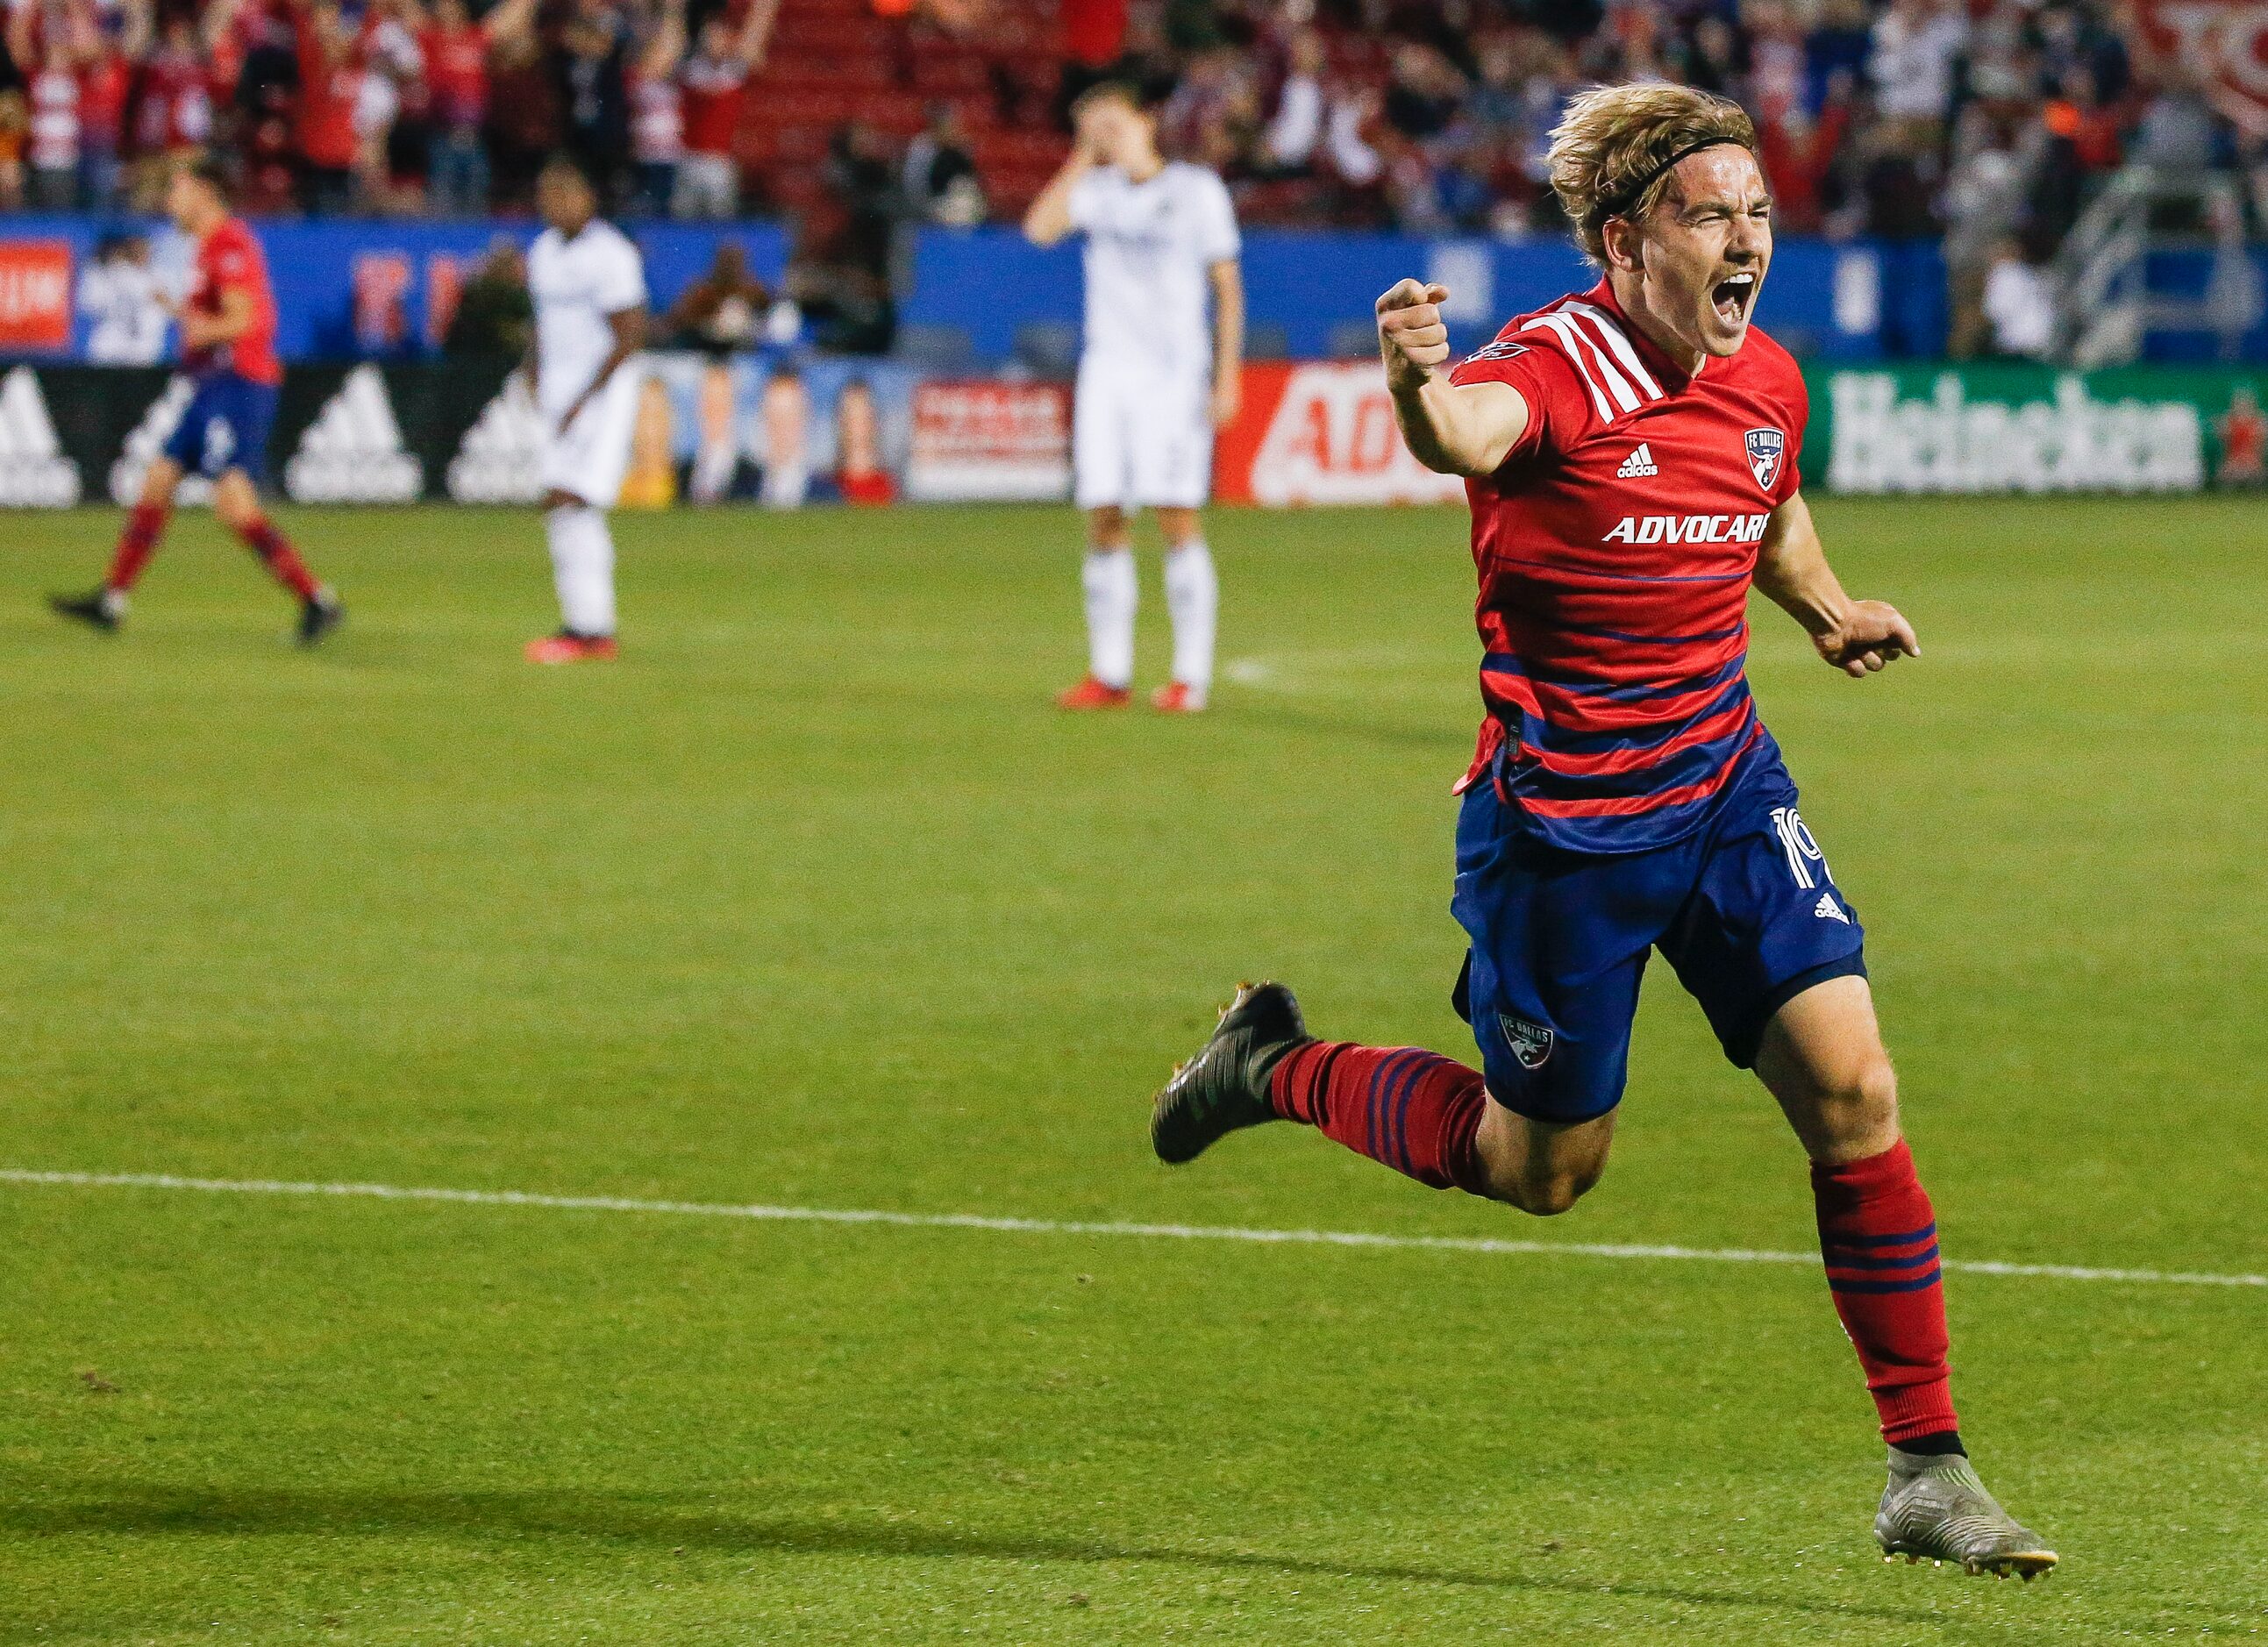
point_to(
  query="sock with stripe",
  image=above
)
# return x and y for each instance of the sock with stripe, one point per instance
(1878, 1235)
(137, 541)
(1414, 1110)
(276, 552)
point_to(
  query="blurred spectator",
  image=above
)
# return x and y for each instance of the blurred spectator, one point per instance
(658, 114)
(53, 98)
(15, 127)
(112, 43)
(495, 318)
(2020, 304)
(173, 106)
(714, 84)
(1297, 127)
(939, 177)
(719, 315)
(120, 298)
(2178, 131)
(590, 64)
(1915, 44)
(456, 47)
(330, 93)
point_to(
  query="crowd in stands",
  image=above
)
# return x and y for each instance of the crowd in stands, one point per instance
(1987, 122)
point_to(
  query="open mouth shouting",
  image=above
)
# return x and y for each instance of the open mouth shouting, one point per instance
(1731, 296)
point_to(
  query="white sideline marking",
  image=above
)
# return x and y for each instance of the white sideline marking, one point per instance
(1061, 1226)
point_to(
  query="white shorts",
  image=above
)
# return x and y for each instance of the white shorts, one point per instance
(590, 457)
(1140, 438)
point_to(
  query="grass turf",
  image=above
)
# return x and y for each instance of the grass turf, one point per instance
(814, 900)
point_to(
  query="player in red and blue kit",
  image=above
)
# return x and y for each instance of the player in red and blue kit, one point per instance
(228, 351)
(1630, 462)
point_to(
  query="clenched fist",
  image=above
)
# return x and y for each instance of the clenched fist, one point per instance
(1411, 335)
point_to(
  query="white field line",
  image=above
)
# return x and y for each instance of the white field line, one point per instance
(1063, 1226)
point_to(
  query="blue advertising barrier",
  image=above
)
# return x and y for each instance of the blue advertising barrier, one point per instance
(1308, 294)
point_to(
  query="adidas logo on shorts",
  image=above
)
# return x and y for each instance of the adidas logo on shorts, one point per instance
(1638, 466)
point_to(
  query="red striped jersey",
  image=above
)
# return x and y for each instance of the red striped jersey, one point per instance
(1615, 548)
(229, 257)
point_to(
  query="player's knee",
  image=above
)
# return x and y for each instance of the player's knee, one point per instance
(1551, 1193)
(1106, 527)
(238, 513)
(1545, 1189)
(1859, 1115)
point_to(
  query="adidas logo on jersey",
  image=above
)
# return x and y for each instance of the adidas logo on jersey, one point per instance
(1638, 466)
(1828, 910)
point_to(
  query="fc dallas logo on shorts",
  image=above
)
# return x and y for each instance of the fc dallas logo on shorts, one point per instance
(1765, 448)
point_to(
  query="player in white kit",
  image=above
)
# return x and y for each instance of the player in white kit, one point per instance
(1157, 376)
(588, 285)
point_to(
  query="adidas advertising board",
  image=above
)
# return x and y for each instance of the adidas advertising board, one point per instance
(34, 474)
(502, 453)
(1322, 433)
(352, 452)
(1310, 433)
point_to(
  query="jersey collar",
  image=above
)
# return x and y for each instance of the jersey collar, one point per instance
(1672, 375)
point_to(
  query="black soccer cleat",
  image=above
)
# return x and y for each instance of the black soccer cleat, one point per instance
(99, 610)
(319, 617)
(1225, 1085)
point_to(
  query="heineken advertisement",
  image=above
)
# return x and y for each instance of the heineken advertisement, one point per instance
(2032, 428)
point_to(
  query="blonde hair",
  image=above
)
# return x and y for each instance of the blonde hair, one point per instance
(1612, 156)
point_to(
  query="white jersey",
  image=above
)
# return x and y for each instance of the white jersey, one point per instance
(576, 286)
(1149, 248)
(128, 322)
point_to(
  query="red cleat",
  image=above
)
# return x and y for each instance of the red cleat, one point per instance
(1091, 694)
(572, 649)
(1178, 697)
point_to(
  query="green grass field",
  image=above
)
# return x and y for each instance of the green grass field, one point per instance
(814, 900)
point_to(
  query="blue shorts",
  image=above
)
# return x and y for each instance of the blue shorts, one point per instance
(1744, 908)
(224, 426)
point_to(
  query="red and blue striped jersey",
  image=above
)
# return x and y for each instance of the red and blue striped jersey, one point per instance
(1615, 546)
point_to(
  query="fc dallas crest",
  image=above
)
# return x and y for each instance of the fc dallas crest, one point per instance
(1766, 448)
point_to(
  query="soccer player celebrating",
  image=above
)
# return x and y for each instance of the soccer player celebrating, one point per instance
(1628, 454)
(589, 290)
(1155, 379)
(228, 349)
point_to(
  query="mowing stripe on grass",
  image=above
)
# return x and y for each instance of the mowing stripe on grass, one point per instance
(1064, 1226)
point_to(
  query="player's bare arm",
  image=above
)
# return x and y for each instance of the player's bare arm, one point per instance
(1227, 278)
(204, 331)
(1049, 220)
(629, 337)
(1859, 638)
(1452, 428)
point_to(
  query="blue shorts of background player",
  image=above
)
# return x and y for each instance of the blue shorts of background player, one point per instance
(226, 426)
(1743, 908)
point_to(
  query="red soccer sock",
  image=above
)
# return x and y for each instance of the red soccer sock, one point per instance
(1414, 1110)
(274, 548)
(136, 543)
(1878, 1235)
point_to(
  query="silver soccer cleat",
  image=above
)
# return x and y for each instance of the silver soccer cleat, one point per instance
(1936, 1507)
